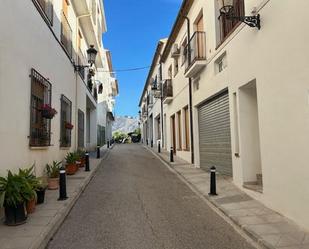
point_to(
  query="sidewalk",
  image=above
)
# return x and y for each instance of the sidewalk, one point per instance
(268, 228)
(47, 218)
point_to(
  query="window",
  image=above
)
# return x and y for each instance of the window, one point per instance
(227, 26)
(66, 31)
(220, 63)
(179, 144)
(176, 66)
(184, 52)
(186, 119)
(40, 95)
(81, 129)
(65, 122)
(170, 72)
(46, 9)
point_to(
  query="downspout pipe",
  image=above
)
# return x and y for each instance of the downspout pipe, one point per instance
(161, 98)
(190, 90)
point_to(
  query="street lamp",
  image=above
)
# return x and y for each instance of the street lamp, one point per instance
(227, 9)
(91, 56)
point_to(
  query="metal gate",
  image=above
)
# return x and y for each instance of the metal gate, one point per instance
(215, 134)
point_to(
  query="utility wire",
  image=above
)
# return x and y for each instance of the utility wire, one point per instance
(126, 70)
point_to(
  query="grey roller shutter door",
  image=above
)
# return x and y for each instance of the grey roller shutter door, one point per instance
(215, 134)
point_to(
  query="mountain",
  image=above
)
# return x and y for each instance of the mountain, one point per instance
(125, 124)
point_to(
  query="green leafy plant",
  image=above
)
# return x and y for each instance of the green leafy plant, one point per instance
(14, 189)
(71, 158)
(81, 153)
(53, 169)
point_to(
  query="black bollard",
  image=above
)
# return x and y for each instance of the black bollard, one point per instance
(107, 144)
(159, 147)
(151, 143)
(98, 151)
(172, 155)
(213, 188)
(87, 168)
(62, 185)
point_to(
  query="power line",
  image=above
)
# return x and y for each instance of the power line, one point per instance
(126, 70)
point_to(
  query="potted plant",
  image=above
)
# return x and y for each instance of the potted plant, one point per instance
(71, 167)
(40, 191)
(33, 182)
(52, 171)
(15, 190)
(48, 112)
(68, 126)
(82, 156)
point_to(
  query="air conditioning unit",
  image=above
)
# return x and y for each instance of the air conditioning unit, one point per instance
(175, 51)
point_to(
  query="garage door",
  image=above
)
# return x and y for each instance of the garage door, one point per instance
(215, 135)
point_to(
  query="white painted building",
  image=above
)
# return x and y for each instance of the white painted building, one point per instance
(43, 47)
(250, 106)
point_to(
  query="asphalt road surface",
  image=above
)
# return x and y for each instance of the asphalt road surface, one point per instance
(135, 202)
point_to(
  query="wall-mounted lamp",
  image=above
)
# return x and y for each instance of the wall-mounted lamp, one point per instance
(91, 56)
(226, 8)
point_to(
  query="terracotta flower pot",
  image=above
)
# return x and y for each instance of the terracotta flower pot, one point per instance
(71, 169)
(53, 183)
(83, 162)
(31, 206)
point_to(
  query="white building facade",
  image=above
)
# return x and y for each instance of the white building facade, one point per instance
(44, 63)
(248, 96)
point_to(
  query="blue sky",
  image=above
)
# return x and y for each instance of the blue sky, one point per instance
(134, 28)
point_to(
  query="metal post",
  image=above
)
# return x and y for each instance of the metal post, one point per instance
(98, 151)
(159, 147)
(151, 143)
(87, 168)
(62, 185)
(146, 141)
(213, 190)
(107, 144)
(172, 155)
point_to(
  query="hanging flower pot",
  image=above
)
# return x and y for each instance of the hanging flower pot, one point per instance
(68, 126)
(48, 112)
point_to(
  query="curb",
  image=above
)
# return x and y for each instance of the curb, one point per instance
(42, 241)
(250, 236)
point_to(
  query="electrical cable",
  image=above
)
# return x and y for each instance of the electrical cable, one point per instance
(125, 70)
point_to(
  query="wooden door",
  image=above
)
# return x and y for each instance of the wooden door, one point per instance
(173, 133)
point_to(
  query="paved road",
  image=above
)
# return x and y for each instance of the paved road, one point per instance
(135, 202)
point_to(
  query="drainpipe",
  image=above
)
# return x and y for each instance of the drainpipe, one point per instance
(161, 97)
(190, 91)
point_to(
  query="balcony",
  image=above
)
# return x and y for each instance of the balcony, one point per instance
(196, 54)
(46, 8)
(66, 35)
(167, 92)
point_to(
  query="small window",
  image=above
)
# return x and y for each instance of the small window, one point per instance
(184, 52)
(46, 9)
(65, 122)
(220, 63)
(40, 96)
(176, 66)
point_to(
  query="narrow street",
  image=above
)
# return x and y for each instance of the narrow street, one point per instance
(135, 202)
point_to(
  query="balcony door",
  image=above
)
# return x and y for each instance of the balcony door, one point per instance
(199, 29)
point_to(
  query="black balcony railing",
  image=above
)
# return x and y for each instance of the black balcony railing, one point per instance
(167, 89)
(66, 35)
(195, 49)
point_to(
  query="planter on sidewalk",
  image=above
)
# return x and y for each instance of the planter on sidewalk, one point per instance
(15, 216)
(53, 175)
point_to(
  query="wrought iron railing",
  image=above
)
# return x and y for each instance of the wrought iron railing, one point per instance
(195, 49)
(167, 89)
(66, 35)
